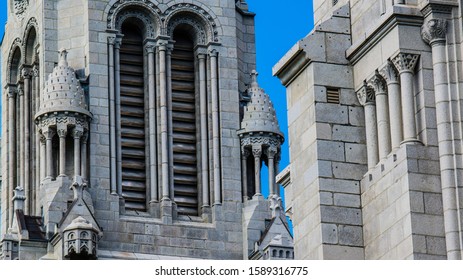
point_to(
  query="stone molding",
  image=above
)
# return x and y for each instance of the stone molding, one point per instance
(434, 31)
(20, 8)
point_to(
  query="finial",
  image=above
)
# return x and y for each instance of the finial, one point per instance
(63, 57)
(254, 75)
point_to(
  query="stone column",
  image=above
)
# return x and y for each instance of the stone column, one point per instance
(382, 116)
(62, 132)
(37, 160)
(49, 133)
(26, 74)
(366, 97)
(204, 138)
(405, 63)
(390, 74)
(271, 152)
(117, 113)
(150, 48)
(257, 152)
(112, 113)
(43, 157)
(434, 33)
(76, 134)
(164, 120)
(11, 92)
(21, 135)
(244, 172)
(83, 157)
(215, 127)
(170, 132)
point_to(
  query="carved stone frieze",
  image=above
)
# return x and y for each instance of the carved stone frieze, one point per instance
(259, 140)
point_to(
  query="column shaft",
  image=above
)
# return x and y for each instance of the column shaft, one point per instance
(395, 111)
(215, 128)
(112, 114)
(21, 138)
(62, 152)
(164, 120)
(257, 172)
(26, 143)
(117, 89)
(77, 135)
(49, 149)
(382, 116)
(408, 106)
(83, 157)
(43, 157)
(204, 139)
(11, 151)
(371, 135)
(244, 174)
(152, 124)
(271, 175)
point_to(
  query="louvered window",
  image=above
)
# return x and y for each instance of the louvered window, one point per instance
(184, 125)
(132, 116)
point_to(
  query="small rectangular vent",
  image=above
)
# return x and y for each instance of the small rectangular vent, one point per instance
(335, 2)
(332, 95)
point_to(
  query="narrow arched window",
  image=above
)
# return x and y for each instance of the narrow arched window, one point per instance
(184, 123)
(132, 118)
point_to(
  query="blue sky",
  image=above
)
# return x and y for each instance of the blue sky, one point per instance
(279, 25)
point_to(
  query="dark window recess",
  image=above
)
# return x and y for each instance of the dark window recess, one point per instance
(332, 95)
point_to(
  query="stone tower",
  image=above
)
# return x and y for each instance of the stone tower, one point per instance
(373, 98)
(121, 126)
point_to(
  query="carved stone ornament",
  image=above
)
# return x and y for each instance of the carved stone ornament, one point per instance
(119, 5)
(434, 31)
(378, 84)
(80, 239)
(389, 73)
(20, 7)
(405, 62)
(366, 95)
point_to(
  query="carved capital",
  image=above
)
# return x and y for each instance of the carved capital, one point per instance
(20, 90)
(48, 133)
(271, 151)
(405, 62)
(62, 131)
(84, 138)
(201, 56)
(112, 40)
(434, 31)
(162, 45)
(35, 71)
(389, 73)
(366, 95)
(378, 84)
(150, 48)
(77, 132)
(26, 73)
(245, 152)
(213, 53)
(257, 151)
(118, 42)
(11, 91)
(43, 139)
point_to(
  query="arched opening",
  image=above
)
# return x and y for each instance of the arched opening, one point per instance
(31, 44)
(14, 69)
(184, 122)
(132, 117)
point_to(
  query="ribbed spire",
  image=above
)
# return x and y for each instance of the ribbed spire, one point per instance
(259, 113)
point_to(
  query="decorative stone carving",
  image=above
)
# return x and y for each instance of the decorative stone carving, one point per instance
(378, 84)
(113, 13)
(389, 73)
(80, 240)
(143, 16)
(366, 95)
(405, 62)
(271, 151)
(256, 151)
(434, 31)
(199, 31)
(20, 7)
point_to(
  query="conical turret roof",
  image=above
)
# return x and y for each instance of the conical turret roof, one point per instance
(259, 113)
(63, 91)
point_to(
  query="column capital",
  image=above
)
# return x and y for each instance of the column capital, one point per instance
(111, 40)
(35, 71)
(271, 151)
(48, 133)
(20, 90)
(378, 84)
(201, 56)
(257, 151)
(434, 31)
(62, 131)
(213, 53)
(84, 137)
(150, 47)
(405, 62)
(366, 95)
(77, 132)
(11, 91)
(389, 73)
(26, 72)
(245, 152)
(118, 42)
(43, 139)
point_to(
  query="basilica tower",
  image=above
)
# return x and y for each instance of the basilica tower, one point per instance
(119, 133)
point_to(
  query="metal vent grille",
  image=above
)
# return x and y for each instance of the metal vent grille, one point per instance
(332, 95)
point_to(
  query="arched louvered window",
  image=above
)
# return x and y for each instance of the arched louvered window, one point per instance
(184, 123)
(132, 118)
